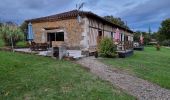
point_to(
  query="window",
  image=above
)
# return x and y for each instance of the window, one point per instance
(57, 36)
(111, 34)
(51, 37)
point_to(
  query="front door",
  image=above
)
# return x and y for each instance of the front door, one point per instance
(50, 38)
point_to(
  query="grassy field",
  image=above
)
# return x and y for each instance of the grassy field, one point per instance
(32, 77)
(149, 64)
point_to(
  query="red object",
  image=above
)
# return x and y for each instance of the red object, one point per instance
(141, 39)
(117, 35)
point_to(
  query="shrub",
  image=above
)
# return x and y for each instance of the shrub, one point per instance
(166, 43)
(11, 32)
(158, 47)
(22, 44)
(107, 48)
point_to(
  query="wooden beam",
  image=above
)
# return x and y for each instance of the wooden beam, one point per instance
(99, 28)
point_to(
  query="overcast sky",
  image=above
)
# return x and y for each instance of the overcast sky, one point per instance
(139, 14)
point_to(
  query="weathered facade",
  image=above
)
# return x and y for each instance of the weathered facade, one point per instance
(70, 27)
(65, 29)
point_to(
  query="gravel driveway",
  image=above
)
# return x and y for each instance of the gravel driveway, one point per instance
(137, 87)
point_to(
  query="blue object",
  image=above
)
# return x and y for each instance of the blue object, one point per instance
(30, 36)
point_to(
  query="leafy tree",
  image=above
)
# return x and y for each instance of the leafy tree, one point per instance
(149, 31)
(145, 35)
(11, 32)
(164, 30)
(1, 24)
(10, 23)
(137, 36)
(117, 21)
(24, 27)
(154, 35)
(166, 42)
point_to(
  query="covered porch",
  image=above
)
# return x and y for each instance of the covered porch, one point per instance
(124, 44)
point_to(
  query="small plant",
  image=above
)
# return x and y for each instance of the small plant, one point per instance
(158, 47)
(107, 48)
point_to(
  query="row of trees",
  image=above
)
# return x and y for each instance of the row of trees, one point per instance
(117, 21)
(162, 36)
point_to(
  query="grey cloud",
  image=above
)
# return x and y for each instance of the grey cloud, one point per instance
(129, 4)
(138, 14)
(151, 13)
(19, 10)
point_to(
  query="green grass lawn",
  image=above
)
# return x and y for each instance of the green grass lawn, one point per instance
(39, 78)
(149, 64)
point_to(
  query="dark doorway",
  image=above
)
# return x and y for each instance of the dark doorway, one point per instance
(55, 36)
(111, 35)
(100, 33)
(99, 37)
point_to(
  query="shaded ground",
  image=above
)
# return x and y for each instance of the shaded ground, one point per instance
(29, 77)
(140, 88)
(149, 64)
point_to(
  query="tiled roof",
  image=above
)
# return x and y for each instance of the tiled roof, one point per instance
(73, 14)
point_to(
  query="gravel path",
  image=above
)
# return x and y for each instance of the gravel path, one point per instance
(137, 87)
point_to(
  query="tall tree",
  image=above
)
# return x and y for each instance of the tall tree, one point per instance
(149, 30)
(24, 27)
(1, 23)
(11, 33)
(164, 30)
(117, 21)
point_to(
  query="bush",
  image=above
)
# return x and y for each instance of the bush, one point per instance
(22, 44)
(107, 48)
(166, 43)
(8, 32)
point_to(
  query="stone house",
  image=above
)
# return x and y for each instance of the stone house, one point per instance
(77, 30)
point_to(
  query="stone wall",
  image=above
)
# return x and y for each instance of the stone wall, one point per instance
(72, 31)
(76, 35)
